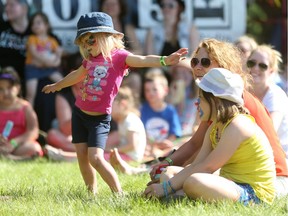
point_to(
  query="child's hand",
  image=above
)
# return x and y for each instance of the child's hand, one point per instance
(154, 190)
(50, 88)
(5, 146)
(175, 57)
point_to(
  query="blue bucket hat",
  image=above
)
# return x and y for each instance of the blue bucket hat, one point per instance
(95, 22)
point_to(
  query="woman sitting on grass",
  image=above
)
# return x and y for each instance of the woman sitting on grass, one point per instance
(247, 172)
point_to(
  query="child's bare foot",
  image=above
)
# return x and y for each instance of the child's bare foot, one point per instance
(118, 163)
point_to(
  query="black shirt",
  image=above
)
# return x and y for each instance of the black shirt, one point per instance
(13, 48)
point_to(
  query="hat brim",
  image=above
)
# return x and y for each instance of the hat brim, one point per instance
(98, 30)
(222, 95)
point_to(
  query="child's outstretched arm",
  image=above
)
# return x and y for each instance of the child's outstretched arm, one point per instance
(69, 80)
(156, 61)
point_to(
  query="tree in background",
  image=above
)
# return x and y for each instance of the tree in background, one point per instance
(267, 22)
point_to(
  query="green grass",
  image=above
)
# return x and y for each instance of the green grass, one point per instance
(45, 188)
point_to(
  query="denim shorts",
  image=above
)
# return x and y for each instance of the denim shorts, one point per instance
(89, 129)
(32, 72)
(247, 194)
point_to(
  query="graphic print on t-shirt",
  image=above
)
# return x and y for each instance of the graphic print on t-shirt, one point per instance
(95, 80)
(157, 129)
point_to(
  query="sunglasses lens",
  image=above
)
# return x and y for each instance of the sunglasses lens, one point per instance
(263, 66)
(250, 63)
(194, 62)
(205, 62)
(91, 40)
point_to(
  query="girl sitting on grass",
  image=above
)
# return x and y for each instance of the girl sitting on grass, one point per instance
(233, 143)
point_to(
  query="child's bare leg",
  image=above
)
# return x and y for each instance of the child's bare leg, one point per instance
(57, 139)
(28, 149)
(56, 76)
(31, 88)
(87, 171)
(97, 160)
(57, 154)
(118, 163)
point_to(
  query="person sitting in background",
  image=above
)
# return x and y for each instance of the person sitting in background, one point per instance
(43, 55)
(263, 64)
(18, 121)
(183, 94)
(247, 169)
(59, 145)
(161, 120)
(117, 9)
(132, 135)
(14, 33)
(134, 81)
(171, 33)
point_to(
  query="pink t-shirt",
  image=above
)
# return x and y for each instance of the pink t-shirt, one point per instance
(102, 82)
(18, 117)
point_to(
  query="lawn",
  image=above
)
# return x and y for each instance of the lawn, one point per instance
(41, 187)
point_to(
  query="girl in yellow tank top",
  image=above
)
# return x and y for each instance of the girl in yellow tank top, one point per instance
(233, 143)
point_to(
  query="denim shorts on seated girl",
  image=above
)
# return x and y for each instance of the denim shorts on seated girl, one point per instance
(89, 129)
(32, 72)
(247, 194)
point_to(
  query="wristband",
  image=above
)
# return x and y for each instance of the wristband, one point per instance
(170, 185)
(165, 189)
(14, 143)
(169, 160)
(162, 62)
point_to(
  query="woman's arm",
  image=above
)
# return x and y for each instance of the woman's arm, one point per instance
(186, 153)
(181, 155)
(178, 180)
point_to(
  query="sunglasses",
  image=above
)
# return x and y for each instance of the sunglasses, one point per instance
(205, 62)
(252, 63)
(167, 5)
(91, 40)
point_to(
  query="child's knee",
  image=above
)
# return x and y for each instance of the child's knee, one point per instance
(96, 160)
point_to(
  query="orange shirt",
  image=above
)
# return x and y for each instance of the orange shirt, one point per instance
(49, 45)
(262, 118)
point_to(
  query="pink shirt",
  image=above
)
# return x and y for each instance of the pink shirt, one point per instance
(18, 117)
(102, 82)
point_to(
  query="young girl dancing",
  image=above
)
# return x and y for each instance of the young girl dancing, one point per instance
(105, 64)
